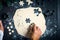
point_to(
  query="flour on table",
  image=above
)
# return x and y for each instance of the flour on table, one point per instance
(25, 16)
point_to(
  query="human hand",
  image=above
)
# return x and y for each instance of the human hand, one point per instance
(1, 26)
(35, 32)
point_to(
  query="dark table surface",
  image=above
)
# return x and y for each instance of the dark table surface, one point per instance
(49, 9)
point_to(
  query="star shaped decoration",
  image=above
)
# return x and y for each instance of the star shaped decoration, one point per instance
(29, 2)
(27, 20)
(37, 12)
(21, 3)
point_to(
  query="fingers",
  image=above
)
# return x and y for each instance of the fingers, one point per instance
(36, 28)
(30, 30)
(33, 28)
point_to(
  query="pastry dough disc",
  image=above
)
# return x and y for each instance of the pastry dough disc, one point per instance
(20, 20)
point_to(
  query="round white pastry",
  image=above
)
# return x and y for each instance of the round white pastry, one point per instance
(22, 25)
